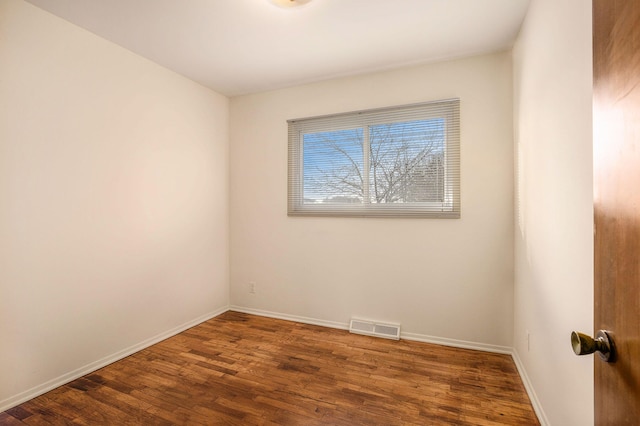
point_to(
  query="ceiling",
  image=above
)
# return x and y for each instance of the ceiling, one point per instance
(243, 46)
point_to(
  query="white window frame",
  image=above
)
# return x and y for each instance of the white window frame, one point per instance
(449, 110)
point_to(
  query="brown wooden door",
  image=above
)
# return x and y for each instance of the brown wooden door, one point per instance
(616, 102)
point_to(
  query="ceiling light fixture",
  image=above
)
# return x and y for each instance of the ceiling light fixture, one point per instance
(289, 3)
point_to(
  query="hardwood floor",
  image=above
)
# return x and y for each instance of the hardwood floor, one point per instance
(240, 369)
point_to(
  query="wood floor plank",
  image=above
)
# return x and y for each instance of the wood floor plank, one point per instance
(9, 420)
(239, 369)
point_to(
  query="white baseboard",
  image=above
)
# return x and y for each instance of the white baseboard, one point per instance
(537, 407)
(407, 336)
(96, 365)
(463, 344)
(287, 317)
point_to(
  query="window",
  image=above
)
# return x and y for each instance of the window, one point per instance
(398, 162)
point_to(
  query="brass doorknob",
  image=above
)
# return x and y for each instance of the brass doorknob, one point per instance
(584, 345)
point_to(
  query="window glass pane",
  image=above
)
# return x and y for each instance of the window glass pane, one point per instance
(333, 167)
(407, 162)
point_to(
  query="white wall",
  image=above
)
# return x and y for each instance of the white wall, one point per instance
(442, 278)
(554, 231)
(113, 200)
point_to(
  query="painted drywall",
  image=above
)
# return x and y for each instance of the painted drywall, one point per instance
(554, 220)
(450, 278)
(113, 200)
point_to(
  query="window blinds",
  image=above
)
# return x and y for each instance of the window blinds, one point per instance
(390, 162)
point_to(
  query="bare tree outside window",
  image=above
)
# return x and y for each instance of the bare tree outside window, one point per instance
(387, 163)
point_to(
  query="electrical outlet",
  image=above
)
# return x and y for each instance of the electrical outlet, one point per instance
(252, 287)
